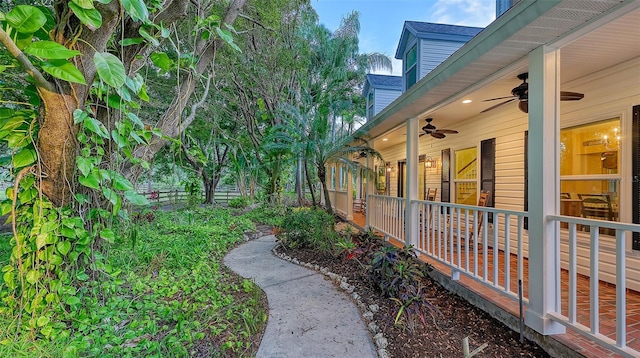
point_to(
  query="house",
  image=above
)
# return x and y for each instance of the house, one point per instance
(424, 45)
(379, 91)
(542, 110)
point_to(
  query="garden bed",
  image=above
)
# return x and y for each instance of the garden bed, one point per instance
(455, 318)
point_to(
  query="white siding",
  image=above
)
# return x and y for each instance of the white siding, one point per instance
(434, 52)
(383, 97)
(609, 93)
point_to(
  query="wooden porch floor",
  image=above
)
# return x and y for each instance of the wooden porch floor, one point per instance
(572, 339)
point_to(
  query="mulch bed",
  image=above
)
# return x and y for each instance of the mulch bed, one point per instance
(456, 318)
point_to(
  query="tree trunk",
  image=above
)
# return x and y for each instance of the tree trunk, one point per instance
(299, 182)
(309, 182)
(322, 175)
(57, 146)
(171, 124)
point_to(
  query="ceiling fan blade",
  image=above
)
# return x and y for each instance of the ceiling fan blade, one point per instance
(524, 106)
(421, 134)
(571, 96)
(497, 98)
(498, 105)
(447, 131)
(438, 135)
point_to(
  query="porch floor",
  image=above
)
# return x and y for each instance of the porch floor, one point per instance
(571, 339)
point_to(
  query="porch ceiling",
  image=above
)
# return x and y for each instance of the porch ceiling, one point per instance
(593, 35)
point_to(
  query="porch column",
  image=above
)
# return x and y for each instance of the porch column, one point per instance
(371, 184)
(411, 215)
(544, 170)
(349, 193)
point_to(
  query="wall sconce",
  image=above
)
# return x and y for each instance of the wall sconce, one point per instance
(389, 169)
(430, 162)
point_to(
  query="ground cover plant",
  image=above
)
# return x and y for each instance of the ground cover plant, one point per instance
(168, 294)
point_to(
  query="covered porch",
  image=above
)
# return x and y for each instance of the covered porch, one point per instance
(490, 279)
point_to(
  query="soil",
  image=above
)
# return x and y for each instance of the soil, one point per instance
(455, 319)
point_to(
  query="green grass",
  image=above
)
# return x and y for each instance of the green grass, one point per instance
(172, 296)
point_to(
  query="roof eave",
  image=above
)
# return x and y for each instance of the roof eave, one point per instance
(518, 17)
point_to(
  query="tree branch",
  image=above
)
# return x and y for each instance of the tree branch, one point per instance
(194, 107)
(24, 62)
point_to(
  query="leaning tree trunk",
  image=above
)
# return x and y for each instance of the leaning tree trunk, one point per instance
(313, 193)
(171, 124)
(322, 175)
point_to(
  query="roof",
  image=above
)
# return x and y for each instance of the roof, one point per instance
(382, 82)
(426, 30)
(429, 27)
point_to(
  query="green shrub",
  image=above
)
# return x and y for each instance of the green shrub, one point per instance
(308, 227)
(240, 202)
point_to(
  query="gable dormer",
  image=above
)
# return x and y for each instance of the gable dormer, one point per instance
(380, 91)
(424, 45)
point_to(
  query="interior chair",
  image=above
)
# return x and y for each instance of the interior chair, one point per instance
(596, 206)
(431, 194)
(565, 195)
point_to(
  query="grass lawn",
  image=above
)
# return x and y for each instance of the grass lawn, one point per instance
(171, 297)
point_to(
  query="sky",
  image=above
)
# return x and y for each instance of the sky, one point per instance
(381, 21)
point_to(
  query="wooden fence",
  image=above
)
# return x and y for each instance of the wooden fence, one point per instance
(167, 197)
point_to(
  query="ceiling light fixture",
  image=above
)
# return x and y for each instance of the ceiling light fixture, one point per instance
(467, 101)
(385, 139)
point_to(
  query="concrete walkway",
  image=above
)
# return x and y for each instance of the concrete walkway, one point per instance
(308, 316)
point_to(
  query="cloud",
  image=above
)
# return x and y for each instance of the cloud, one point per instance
(464, 12)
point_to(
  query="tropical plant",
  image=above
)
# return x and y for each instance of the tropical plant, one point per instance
(73, 129)
(308, 228)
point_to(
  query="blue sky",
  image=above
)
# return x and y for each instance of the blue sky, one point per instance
(381, 21)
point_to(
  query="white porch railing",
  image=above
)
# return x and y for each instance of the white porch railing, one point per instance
(466, 239)
(463, 238)
(614, 337)
(387, 215)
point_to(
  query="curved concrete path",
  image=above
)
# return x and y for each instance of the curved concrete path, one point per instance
(308, 316)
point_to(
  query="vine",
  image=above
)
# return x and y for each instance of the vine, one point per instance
(56, 249)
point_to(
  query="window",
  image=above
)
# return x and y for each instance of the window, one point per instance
(411, 68)
(333, 178)
(465, 177)
(370, 107)
(589, 169)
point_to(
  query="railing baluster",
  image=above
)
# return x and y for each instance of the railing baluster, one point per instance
(496, 248)
(573, 274)
(594, 278)
(485, 249)
(621, 290)
(475, 243)
(507, 252)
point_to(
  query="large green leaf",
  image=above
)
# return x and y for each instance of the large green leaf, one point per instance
(91, 18)
(227, 37)
(63, 70)
(162, 60)
(26, 18)
(143, 32)
(63, 247)
(121, 183)
(50, 50)
(96, 127)
(90, 181)
(135, 198)
(136, 9)
(110, 69)
(108, 235)
(26, 156)
(85, 4)
(131, 41)
(85, 165)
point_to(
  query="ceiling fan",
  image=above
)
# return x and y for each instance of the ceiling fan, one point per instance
(434, 132)
(521, 93)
